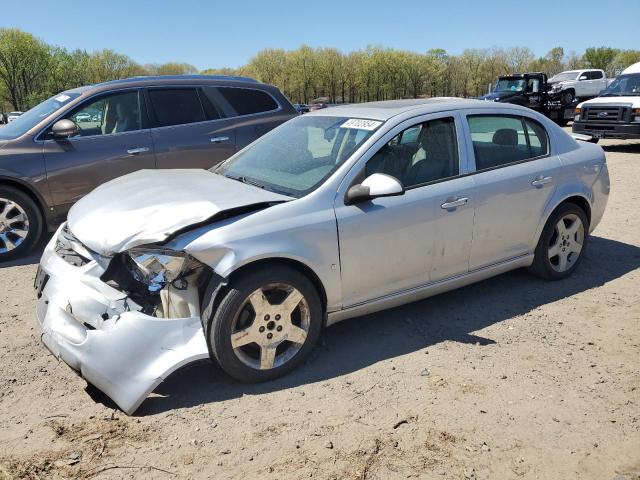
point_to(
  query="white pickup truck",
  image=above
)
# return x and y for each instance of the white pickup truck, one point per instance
(574, 84)
(616, 112)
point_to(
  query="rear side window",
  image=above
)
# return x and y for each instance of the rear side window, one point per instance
(594, 75)
(246, 101)
(176, 106)
(500, 140)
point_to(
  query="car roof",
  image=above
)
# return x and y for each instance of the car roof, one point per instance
(160, 80)
(390, 108)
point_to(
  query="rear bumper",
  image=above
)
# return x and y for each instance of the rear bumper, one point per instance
(95, 330)
(607, 130)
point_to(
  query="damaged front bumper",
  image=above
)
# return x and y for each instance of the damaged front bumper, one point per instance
(100, 333)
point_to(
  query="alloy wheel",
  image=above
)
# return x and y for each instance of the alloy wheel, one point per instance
(14, 225)
(566, 243)
(270, 327)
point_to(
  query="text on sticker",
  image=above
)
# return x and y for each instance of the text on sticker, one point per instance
(361, 124)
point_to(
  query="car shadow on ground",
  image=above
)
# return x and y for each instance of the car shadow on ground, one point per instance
(361, 342)
(33, 257)
(631, 147)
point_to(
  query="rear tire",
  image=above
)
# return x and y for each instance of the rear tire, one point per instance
(266, 324)
(21, 223)
(562, 243)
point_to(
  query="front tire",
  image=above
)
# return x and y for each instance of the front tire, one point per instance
(568, 97)
(20, 223)
(562, 243)
(266, 324)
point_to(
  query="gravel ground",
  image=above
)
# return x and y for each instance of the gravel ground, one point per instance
(513, 377)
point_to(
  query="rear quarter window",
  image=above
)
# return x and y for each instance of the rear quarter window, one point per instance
(248, 101)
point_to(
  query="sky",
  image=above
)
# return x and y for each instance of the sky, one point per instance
(213, 33)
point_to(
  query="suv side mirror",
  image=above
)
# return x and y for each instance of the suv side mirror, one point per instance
(583, 77)
(64, 129)
(374, 186)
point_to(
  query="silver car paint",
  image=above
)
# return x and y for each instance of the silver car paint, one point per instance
(149, 205)
(307, 231)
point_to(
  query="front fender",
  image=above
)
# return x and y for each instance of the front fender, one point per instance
(279, 232)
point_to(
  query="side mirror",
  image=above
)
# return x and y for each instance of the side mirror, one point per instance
(583, 77)
(374, 186)
(64, 129)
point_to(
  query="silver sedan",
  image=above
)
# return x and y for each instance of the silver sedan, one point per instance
(341, 212)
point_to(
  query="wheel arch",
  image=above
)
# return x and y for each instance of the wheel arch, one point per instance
(579, 199)
(27, 189)
(284, 261)
(220, 284)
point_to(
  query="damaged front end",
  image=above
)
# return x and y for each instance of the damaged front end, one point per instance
(124, 322)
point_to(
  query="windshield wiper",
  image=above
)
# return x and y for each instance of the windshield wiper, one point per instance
(610, 94)
(243, 179)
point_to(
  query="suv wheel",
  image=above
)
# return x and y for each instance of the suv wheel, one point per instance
(20, 223)
(562, 243)
(266, 324)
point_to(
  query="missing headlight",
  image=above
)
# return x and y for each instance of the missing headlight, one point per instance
(158, 285)
(156, 267)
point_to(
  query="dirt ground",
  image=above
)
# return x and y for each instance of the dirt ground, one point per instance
(513, 377)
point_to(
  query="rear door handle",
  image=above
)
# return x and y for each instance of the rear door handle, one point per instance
(453, 203)
(540, 181)
(135, 151)
(219, 139)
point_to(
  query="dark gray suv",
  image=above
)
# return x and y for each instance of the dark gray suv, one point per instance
(66, 146)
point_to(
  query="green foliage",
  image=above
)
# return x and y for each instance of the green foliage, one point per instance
(31, 70)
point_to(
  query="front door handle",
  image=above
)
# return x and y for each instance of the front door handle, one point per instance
(219, 139)
(136, 151)
(453, 202)
(540, 181)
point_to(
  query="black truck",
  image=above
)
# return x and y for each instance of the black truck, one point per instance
(532, 90)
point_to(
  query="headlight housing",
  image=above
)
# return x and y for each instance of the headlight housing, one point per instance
(156, 267)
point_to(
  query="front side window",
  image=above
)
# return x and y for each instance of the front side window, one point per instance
(116, 113)
(247, 101)
(420, 154)
(500, 140)
(299, 155)
(31, 118)
(176, 106)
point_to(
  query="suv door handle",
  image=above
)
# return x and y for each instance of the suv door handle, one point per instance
(135, 151)
(454, 202)
(540, 181)
(219, 139)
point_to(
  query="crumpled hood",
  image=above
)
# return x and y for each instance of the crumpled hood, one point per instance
(149, 205)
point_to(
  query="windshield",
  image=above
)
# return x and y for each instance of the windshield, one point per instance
(563, 77)
(300, 155)
(29, 119)
(624, 85)
(510, 85)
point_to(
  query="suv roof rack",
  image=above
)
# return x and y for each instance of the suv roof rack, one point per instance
(234, 78)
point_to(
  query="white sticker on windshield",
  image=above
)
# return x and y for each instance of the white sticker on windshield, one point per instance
(361, 124)
(62, 98)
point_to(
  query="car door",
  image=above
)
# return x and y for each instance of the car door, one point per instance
(112, 141)
(189, 130)
(596, 82)
(392, 244)
(515, 177)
